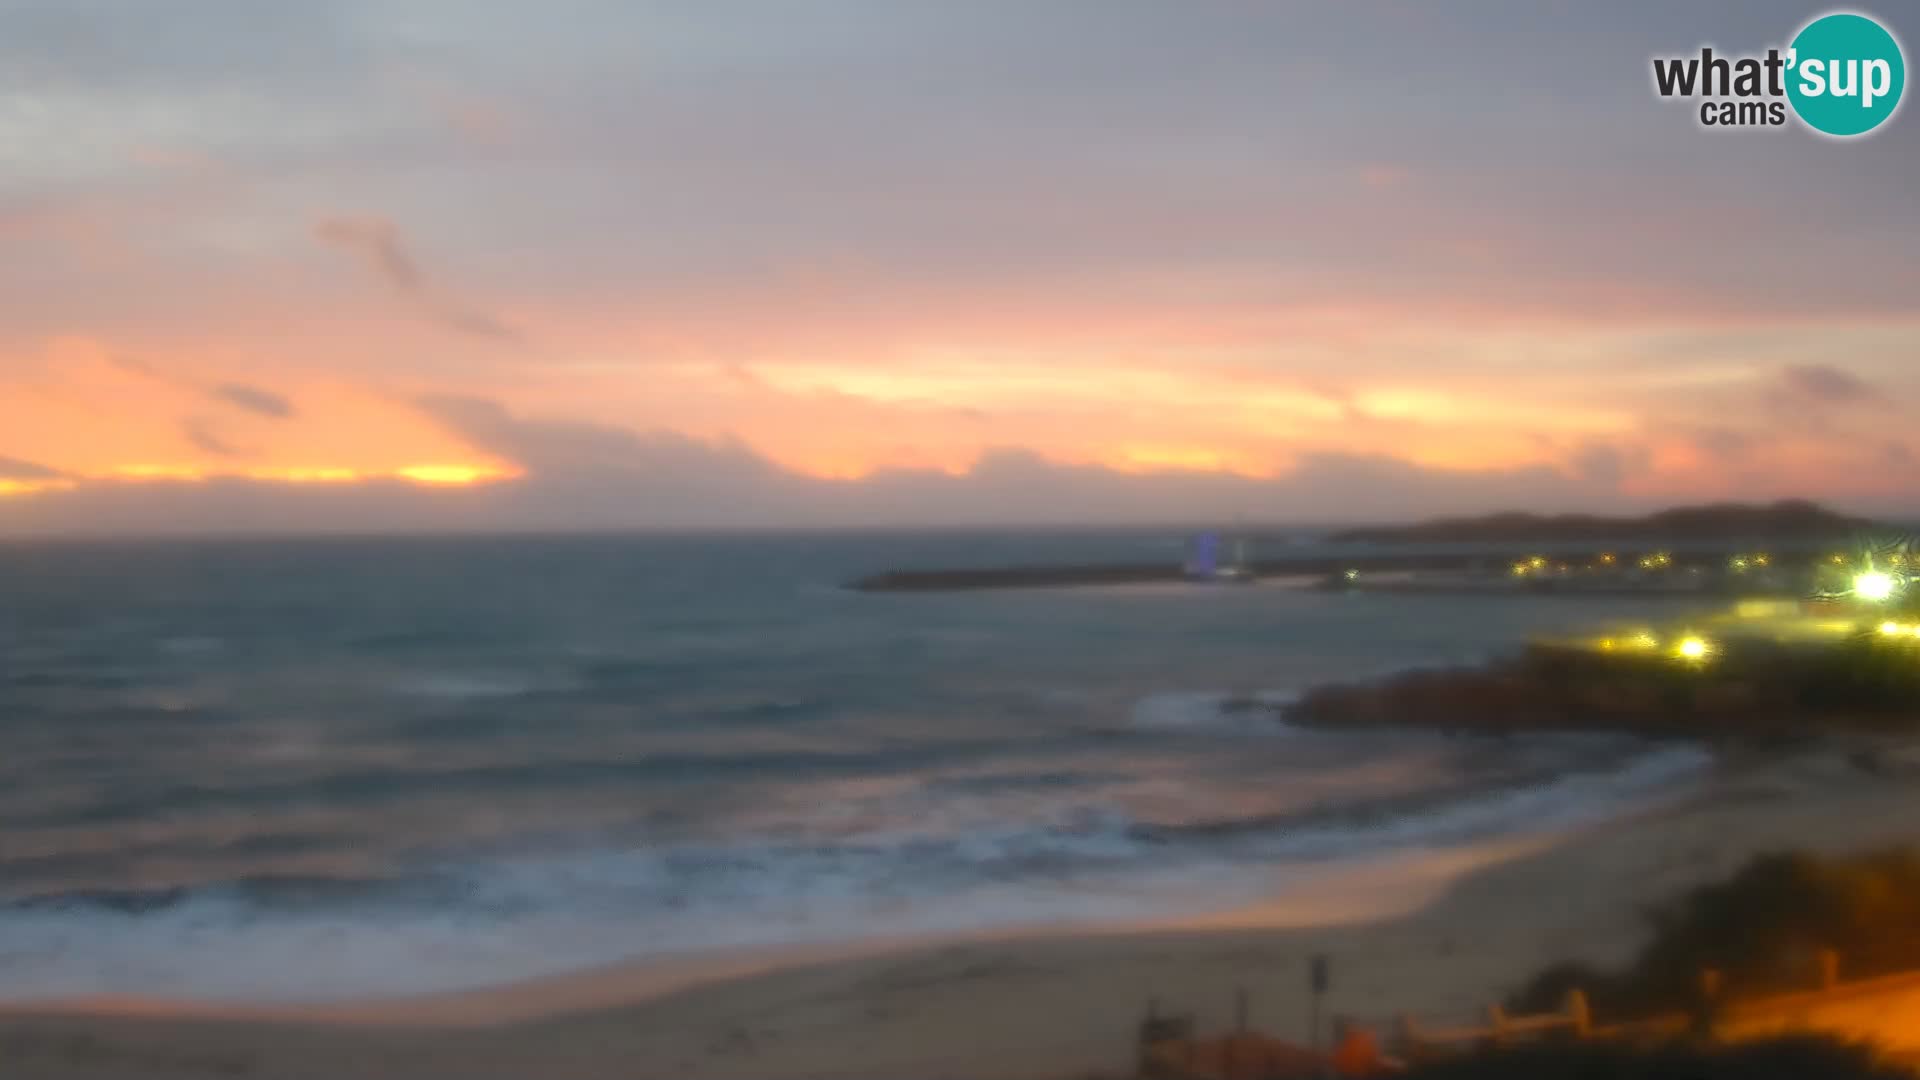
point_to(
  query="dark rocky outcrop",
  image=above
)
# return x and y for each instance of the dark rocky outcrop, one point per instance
(1752, 689)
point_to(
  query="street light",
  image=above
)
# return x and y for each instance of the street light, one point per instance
(1873, 586)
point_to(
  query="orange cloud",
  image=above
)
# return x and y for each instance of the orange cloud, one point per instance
(83, 412)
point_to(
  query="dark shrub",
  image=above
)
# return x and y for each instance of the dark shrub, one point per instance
(1795, 1058)
(1762, 929)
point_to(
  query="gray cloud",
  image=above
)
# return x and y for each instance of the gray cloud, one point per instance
(1725, 445)
(610, 477)
(16, 469)
(255, 400)
(1606, 465)
(378, 243)
(1823, 383)
(735, 139)
(201, 434)
(565, 450)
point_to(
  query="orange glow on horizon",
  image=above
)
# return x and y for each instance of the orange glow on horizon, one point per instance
(298, 475)
(436, 475)
(1200, 459)
(452, 475)
(12, 488)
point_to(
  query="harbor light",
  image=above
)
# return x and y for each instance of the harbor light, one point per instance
(1891, 629)
(1353, 575)
(1692, 647)
(1873, 586)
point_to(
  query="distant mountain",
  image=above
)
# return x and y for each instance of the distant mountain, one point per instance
(1785, 520)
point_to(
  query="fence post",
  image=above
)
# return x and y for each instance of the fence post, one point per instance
(1709, 999)
(1407, 1035)
(1143, 1042)
(1497, 1020)
(1829, 969)
(1578, 1012)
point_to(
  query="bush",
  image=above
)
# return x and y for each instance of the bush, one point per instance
(1763, 930)
(1794, 1058)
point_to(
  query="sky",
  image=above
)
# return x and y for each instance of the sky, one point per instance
(270, 265)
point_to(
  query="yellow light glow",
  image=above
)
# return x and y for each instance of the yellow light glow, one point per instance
(1606, 558)
(1891, 628)
(1187, 459)
(1645, 641)
(306, 475)
(1692, 647)
(448, 475)
(1606, 644)
(1353, 575)
(145, 471)
(1537, 562)
(1873, 586)
(33, 487)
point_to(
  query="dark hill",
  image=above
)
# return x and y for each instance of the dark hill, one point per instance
(1792, 519)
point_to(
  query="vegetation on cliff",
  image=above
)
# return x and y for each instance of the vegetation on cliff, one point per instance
(1748, 688)
(1762, 929)
(1798, 1057)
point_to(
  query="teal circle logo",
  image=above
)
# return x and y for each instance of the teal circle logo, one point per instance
(1845, 74)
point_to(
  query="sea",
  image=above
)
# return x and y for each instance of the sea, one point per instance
(322, 770)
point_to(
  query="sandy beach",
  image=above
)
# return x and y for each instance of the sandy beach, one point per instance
(1418, 936)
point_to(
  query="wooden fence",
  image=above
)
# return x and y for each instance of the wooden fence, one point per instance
(1884, 1009)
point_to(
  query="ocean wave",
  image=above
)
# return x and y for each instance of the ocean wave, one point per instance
(1254, 713)
(1542, 804)
(460, 923)
(463, 685)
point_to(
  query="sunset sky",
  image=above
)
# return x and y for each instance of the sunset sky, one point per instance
(461, 264)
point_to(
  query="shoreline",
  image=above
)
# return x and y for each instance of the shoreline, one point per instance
(1322, 878)
(1326, 898)
(1047, 1003)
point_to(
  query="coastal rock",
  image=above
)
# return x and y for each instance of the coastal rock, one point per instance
(1757, 690)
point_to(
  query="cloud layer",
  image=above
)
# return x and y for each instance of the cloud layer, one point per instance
(649, 263)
